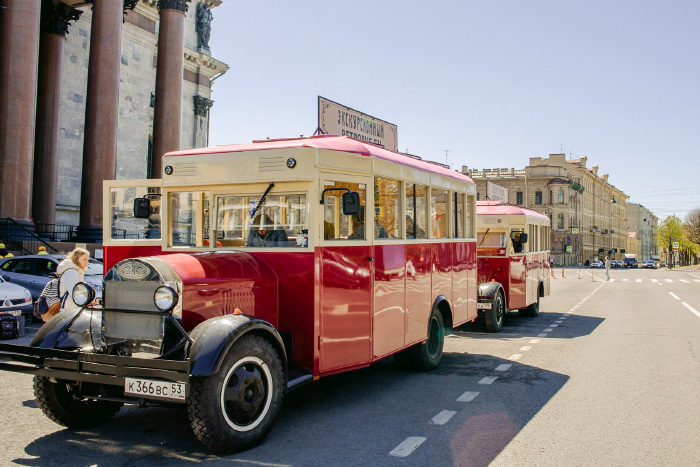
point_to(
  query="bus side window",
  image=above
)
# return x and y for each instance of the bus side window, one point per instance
(416, 203)
(386, 208)
(336, 225)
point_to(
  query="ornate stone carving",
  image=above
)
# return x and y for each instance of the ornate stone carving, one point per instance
(56, 17)
(130, 5)
(203, 25)
(179, 5)
(202, 106)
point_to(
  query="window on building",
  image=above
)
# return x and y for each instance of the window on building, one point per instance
(519, 198)
(478, 195)
(551, 197)
(560, 221)
(560, 197)
(538, 197)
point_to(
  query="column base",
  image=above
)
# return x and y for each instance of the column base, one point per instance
(88, 234)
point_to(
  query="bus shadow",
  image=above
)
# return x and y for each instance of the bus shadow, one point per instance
(515, 326)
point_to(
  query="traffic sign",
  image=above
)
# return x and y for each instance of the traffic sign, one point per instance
(675, 250)
(574, 231)
(675, 245)
(568, 248)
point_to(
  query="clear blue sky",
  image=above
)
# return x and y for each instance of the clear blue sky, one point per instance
(493, 82)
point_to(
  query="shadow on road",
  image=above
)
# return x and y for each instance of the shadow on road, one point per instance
(515, 326)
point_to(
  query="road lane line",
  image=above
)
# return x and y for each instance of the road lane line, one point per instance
(654, 280)
(541, 335)
(566, 315)
(408, 446)
(525, 348)
(548, 330)
(625, 280)
(534, 341)
(639, 280)
(661, 283)
(697, 313)
(674, 296)
(553, 325)
(683, 280)
(503, 367)
(515, 356)
(697, 280)
(559, 321)
(443, 417)
(612, 280)
(694, 275)
(668, 280)
(467, 396)
(488, 379)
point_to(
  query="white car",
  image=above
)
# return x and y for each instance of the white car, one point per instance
(15, 300)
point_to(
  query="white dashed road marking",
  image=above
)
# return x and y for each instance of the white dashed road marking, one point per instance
(525, 348)
(695, 312)
(558, 322)
(683, 280)
(548, 330)
(697, 280)
(534, 341)
(654, 280)
(503, 367)
(553, 325)
(541, 335)
(407, 447)
(612, 280)
(443, 417)
(668, 280)
(515, 356)
(625, 280)
(488, 379)
(639, 280)
(467, 396)
(674, 296)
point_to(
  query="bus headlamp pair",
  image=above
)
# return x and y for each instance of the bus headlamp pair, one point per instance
(165, 297)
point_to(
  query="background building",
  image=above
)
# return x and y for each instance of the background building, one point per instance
(588, 214)
(641, 221)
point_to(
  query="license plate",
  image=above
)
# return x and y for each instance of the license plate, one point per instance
(483, 306)
(155, 389)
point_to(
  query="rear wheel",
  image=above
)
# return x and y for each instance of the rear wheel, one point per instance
(534, 309)
(235, 408)
(494, 316)
(63, 406)
(426, 355)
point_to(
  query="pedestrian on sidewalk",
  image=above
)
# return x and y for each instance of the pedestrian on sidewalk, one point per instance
(607, 267)
(4, 253)
(42, 251)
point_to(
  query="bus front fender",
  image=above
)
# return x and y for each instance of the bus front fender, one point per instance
(212, 339)
(488, 290)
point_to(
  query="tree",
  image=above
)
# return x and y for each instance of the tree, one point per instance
(692, 225)
(672, 230)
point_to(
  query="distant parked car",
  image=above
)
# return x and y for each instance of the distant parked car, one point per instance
(15, 300)
(597, 264)
(620, 264)
(651, 264)
(35, 271)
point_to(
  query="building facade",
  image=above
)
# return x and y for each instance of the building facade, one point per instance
(641, 221)
(92, 90)
(588, 214)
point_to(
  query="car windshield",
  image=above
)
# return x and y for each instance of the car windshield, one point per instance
(94, 268)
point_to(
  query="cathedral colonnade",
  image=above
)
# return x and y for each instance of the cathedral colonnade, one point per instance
(32, 37)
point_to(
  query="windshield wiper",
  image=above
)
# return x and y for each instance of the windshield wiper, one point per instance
(262, 200)
(484, 237)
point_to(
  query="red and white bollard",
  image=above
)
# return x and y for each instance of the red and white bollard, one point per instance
(562, 273)
(551, 271)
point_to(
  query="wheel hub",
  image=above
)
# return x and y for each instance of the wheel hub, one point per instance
(244, 394)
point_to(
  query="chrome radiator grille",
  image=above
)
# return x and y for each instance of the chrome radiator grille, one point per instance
(134, 296)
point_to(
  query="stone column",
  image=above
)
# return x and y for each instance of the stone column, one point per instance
(19, 55)
(201, 114)
(167, 118)
(101, 114)
(55, 18)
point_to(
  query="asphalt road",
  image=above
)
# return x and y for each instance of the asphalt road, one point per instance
(608, 374)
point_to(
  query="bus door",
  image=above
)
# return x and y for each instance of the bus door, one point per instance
(518, 286)
(345, 274)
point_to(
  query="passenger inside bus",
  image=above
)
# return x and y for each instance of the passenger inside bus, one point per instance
(517, 243)
(328, 230)
(412, 230)
(263, 234)
(358, 231)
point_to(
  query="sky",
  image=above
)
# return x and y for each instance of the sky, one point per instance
(492, 82)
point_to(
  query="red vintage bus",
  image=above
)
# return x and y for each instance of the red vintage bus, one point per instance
(512, 260)
(249, 269)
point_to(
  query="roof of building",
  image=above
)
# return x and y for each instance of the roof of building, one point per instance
(499, 208)
(331, 143)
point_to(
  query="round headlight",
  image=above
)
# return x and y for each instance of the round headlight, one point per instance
(165, 298)
(83, 294)
(27, 295)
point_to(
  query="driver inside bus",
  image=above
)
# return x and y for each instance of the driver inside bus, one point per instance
(517, 243)
(263, 234)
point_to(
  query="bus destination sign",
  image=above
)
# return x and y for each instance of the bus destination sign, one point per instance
(337, 119)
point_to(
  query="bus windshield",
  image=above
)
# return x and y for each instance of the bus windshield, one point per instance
(280, 220)
(491, 243)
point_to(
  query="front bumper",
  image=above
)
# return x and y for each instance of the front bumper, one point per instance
(25, 309)
(84, 367)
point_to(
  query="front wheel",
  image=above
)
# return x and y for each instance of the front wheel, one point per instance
(63, 406)
(494, 316)
(235, 408)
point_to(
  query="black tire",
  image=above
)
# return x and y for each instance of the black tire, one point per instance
(62, 406)
(522, 312)
(252, 373)
(534, 309)
(494, 317)
(425, 356)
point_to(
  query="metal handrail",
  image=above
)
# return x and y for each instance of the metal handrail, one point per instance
(6, 221)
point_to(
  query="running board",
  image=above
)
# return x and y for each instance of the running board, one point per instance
(297, 377)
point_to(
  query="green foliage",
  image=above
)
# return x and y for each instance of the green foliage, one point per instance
(673, 230)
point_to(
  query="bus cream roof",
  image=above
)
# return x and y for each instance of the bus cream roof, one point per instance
(488, 212)
(283, 148)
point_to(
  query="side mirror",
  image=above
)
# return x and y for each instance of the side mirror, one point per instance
(142, 208)
(351, 203)
(523, 237)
